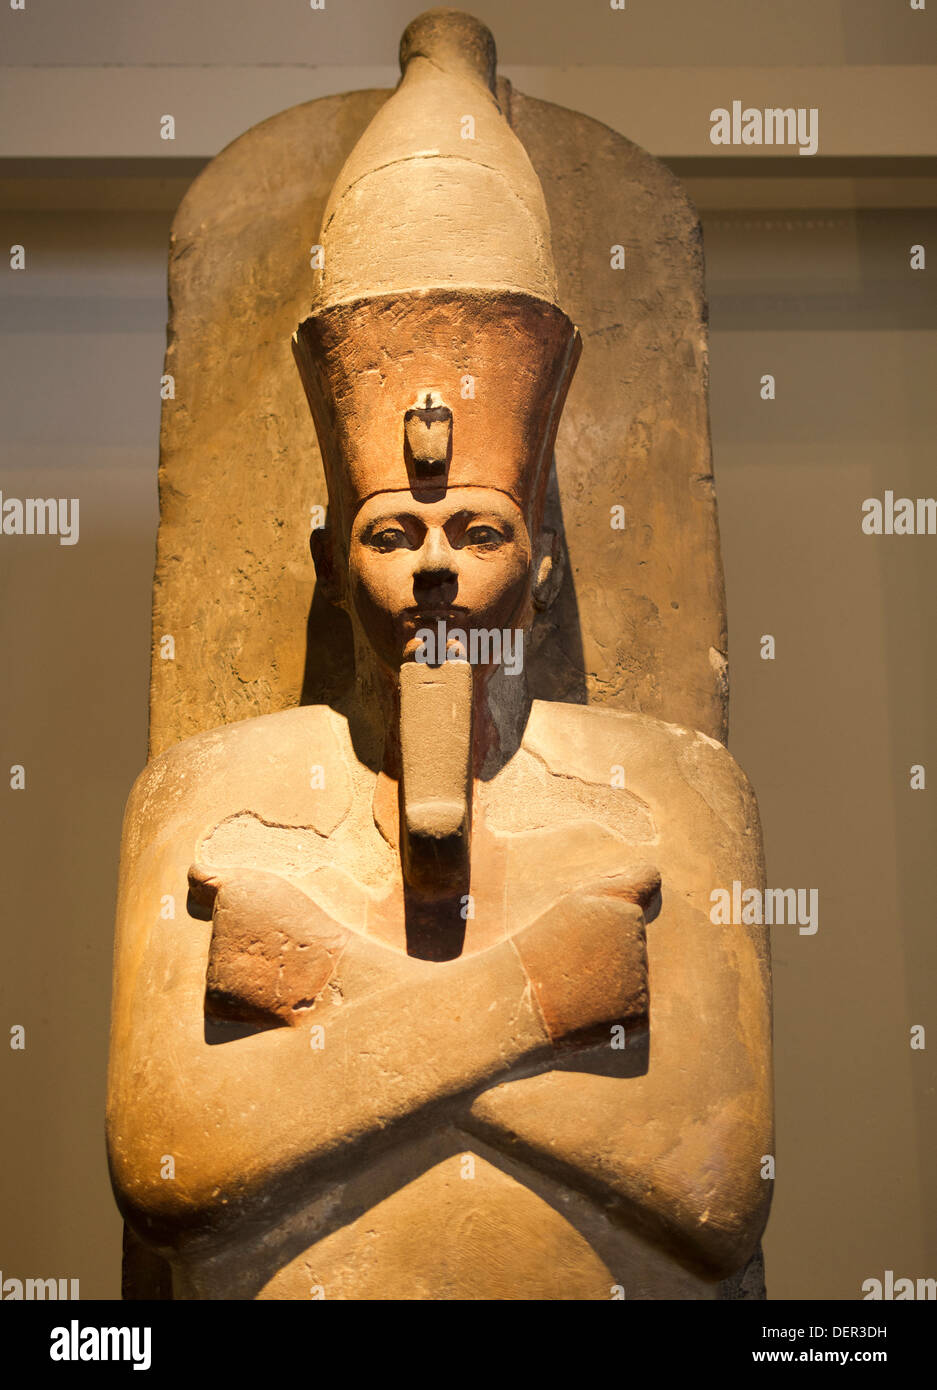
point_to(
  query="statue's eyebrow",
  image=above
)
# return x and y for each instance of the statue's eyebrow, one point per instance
(402, 518)
(482, 516)
(383, 518)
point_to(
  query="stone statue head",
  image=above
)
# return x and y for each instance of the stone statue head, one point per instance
(436, 361)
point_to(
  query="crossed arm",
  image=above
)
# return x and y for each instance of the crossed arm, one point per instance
(270, 1114)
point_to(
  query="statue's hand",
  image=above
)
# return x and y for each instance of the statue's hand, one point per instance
(586, 958)
(273, 950)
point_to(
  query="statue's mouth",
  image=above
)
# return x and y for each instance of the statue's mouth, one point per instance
(434, 611)
(431, 615)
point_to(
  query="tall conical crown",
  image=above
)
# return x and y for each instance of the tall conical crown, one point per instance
(435, 353)
(438, 191)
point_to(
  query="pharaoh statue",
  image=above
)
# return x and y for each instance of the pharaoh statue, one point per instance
(417, 995)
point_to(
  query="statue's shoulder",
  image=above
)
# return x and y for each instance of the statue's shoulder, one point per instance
(651, 756)
(273, 764)
(315, 727)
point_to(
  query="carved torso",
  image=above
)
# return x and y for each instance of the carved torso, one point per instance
(556, 1200)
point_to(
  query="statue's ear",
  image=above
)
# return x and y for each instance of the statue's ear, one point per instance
(328, 576)
(549, 568)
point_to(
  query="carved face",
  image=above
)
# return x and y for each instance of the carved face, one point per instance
(464, 558)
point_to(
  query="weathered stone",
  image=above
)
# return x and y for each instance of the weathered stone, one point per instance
(447, 1016)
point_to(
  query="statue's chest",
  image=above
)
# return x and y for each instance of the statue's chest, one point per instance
(536, 835)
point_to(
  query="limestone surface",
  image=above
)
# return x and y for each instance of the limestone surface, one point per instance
(445, 1013)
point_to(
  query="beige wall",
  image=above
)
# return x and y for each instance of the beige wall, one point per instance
(81, 344)
(743, 33)
(829, 730)
(809, 281)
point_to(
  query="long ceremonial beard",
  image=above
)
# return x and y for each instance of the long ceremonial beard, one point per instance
(436, 776)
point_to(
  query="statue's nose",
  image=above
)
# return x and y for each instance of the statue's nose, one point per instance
(435, 577)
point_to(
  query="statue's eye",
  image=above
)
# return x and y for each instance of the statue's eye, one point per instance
(388, 538)
(487, 536)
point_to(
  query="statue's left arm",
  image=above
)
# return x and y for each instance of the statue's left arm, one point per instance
(680, 1151)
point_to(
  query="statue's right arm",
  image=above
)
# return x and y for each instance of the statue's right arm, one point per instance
(269, 1111)
(240, 1117)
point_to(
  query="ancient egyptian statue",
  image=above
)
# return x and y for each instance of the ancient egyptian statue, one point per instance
(417, 993)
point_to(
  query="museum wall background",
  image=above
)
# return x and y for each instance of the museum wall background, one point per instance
(809, 280)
